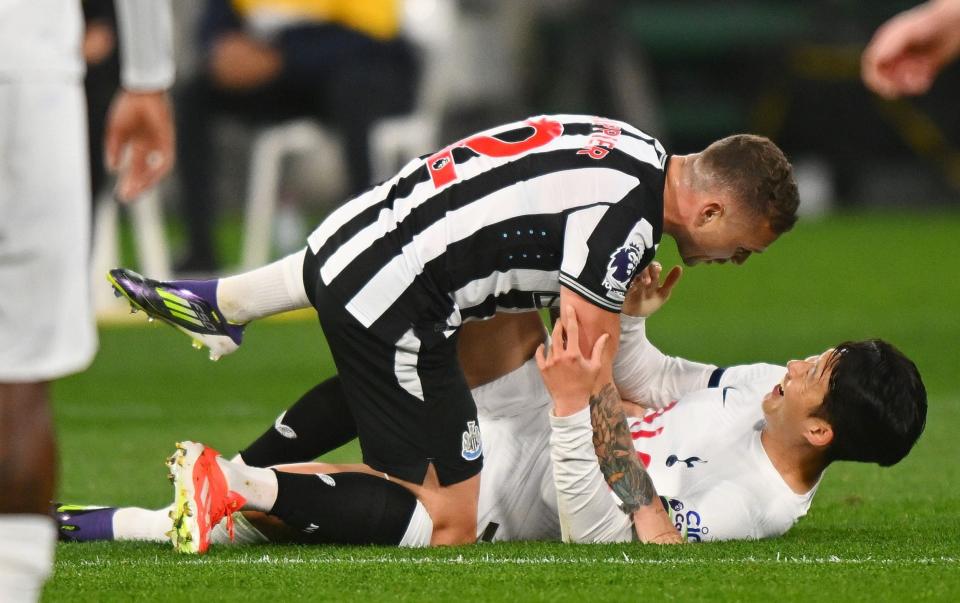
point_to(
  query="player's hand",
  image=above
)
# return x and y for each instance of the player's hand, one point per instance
(646, 293)
(908, 51)
(139, 141)
(632, 409)
(653, 526)
(570, 378)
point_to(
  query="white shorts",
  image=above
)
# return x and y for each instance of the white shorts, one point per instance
(518, 500)
(47, 327)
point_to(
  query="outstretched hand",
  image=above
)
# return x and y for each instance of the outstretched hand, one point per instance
(646, 294)
(570, 378)
(908, 51)
(139, 141)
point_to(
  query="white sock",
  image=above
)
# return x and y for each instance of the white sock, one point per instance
(419, 530)
(258, 486)
(134, 523)
(243, 532)
(26, 556)
(271, 289)
(238, 459)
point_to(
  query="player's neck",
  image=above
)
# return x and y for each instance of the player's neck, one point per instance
(798, 464)
(677, 193)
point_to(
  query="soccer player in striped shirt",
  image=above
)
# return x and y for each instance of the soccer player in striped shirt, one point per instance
(735, 452)
(553, 210)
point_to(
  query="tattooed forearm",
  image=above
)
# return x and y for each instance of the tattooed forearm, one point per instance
(618, 458)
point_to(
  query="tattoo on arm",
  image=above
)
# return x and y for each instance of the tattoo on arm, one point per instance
(618, 458)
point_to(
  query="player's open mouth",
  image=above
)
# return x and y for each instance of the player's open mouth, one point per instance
(777, 390)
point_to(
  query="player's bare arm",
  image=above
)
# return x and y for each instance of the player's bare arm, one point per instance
(591, 322)
(569, 375)
(489, 349)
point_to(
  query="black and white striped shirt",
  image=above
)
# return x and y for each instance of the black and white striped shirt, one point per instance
(497, 222)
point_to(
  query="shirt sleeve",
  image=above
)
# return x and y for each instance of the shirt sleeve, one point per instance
(646, 376)
(759, 374)
(588, 510)
(604, 247)
(146, 44)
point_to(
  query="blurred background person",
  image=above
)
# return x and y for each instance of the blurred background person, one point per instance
(267, 61)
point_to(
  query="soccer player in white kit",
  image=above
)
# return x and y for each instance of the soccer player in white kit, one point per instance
(727, 448)
(46, 322)
(739, 452)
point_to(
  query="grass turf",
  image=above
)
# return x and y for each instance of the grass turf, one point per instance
(872, 533)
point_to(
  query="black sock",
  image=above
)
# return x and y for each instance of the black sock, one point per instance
(319, 422)
(353, 508)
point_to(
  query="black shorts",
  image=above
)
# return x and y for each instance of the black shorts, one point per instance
(409, 397)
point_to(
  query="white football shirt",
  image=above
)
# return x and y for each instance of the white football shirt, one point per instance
(705, 456)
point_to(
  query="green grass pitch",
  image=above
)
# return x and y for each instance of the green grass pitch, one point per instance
(872, 534)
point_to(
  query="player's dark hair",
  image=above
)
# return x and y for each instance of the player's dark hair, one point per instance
(757, 172)
(876, 403)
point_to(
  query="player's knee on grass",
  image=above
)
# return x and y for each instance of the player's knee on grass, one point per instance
(453, 524)
(453, 510)
(27, 448)
(452, 533)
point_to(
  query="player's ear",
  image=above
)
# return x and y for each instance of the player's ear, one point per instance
(818, 432)
(709, 212)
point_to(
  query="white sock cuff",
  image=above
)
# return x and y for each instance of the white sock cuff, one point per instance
(293, 277)
(265, 291)
(26, 554)
(256, 484)
(238, 459)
